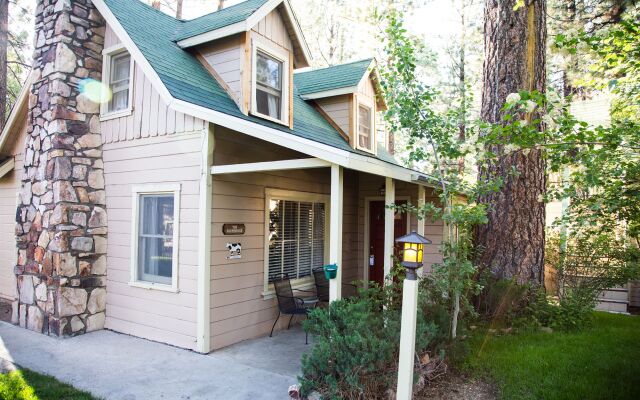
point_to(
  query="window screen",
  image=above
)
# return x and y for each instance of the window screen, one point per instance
(155, 238)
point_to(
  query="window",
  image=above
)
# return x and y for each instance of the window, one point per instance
(117, 75)
(155, 238)
(365, 128)
(296, 234)
(270, 84)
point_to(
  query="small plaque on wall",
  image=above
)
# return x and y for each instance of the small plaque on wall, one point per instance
(233, 229)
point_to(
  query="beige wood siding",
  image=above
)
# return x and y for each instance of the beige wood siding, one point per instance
(110, 38)
(272, 28)
(9, 189)
(239, 310)
(157, 315)
(150, 116)
(226, 57)
(338, 108)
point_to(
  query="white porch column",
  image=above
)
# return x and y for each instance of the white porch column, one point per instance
(389, 199)
(203, 324)
(420, 231)
(335, 230)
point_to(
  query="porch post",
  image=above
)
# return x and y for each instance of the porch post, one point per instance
(421, 201)
(389, 199)
(203, 324)
(335, 230)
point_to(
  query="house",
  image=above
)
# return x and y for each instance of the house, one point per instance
(596, 112)
(157, 173)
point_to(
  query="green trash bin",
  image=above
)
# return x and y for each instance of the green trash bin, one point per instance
(330, 271)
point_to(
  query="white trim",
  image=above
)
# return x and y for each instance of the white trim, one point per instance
(304, 46)
(291, 195)
(301, 163)
(214, 35)
(344, 158)
(203, 322)
(330, 93)
(136, 54)
(21, 101)
(367, 223)
(372, 134)
(261, 45)
(107, 56)
(7, 167)
(336, 228)
(136, 191)
(389, 222)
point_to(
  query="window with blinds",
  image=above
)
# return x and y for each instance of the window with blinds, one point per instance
(296, 237)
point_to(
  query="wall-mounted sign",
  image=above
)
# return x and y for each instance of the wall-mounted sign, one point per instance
(235, 251)
(233, 229)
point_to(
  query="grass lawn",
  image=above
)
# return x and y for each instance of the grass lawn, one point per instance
(600, 362)
(28, 385)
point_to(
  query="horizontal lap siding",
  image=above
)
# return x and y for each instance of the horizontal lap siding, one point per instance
(151, 116)
(162, 316)
(9, 189)
(239, 311)
(339, 109)
(226, 57)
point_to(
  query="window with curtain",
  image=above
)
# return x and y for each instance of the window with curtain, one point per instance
(269, 85)
(296, 237)
(155, 238)
(119, 81)
(365, 140)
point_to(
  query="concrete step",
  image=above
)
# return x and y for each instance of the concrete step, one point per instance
(615, 294)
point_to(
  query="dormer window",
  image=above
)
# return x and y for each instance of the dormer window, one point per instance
(117, 70)
(366, 139)
(270, 84)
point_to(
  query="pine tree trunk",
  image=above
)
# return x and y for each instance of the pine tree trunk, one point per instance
(220, 4)
(511, 244)
(179, 9)
(4, 44)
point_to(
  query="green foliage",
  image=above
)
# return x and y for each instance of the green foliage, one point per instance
(356, 344)
(29, 385)
(599, 362)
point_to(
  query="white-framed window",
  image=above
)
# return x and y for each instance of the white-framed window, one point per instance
(296, 235)
(366, 128)
(117, 74)
(155, 236)
(270, 83)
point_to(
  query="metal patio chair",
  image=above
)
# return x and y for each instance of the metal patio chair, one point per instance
(322, 285)
(288, 304)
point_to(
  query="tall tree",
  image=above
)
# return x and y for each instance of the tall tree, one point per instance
(4, 46)
(179, 9)
(511, 243)
(220, 4)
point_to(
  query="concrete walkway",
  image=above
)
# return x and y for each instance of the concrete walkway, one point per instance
(117, 366)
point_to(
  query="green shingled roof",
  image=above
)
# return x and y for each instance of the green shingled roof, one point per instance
(331, 78)
(186, 79)
(219, 19)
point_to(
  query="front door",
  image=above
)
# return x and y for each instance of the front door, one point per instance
(376, 237)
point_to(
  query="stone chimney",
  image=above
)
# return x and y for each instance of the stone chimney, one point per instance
(61, 221)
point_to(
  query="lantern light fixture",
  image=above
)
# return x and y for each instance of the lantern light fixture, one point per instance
(412, 252)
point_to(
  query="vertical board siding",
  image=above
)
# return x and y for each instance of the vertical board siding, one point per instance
(239, 310)
(157, 315)
(273, 28)
(110, 38)
(9, 189)
(150, 116)
(339, 109)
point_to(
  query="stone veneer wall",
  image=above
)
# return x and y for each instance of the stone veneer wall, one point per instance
(61, 220)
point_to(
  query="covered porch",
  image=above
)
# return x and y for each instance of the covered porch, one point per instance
(295, 213)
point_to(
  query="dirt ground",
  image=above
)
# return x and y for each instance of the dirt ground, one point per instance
(455, 387)
(5, 311)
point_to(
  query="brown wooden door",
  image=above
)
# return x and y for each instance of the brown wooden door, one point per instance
(376, 237)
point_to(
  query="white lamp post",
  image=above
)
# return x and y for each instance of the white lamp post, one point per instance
(413, 250)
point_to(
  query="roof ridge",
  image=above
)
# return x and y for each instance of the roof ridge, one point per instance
(370, 59)
(220, 11)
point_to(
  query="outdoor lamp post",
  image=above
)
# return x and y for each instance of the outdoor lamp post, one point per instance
(412, 253)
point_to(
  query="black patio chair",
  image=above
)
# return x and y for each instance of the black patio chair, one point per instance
(322, 285)
(288, 304)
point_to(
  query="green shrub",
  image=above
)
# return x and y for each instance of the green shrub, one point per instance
(356, 344)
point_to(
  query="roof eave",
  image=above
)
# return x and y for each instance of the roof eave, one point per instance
(330, 93)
